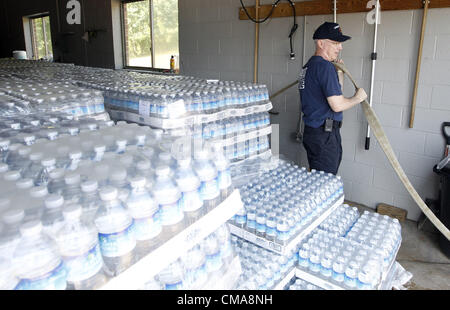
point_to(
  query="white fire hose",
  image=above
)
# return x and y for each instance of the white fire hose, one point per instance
(387, 148)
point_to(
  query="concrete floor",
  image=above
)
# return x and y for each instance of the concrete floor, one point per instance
(421, 255)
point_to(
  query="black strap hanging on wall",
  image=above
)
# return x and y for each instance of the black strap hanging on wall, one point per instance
(274, 5)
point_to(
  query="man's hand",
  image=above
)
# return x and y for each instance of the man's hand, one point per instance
(360, 94)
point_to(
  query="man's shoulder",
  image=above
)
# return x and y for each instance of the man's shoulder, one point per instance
(317, 63)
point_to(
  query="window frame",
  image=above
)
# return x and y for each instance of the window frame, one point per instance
(124, 49)
(34, 49)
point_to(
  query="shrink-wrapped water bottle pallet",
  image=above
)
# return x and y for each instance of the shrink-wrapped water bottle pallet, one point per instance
(293, 242)
(161, 123)
(316, 279)
(265, 156)
(283, 282)
(243, 137)
(137, 275)
(226, 280)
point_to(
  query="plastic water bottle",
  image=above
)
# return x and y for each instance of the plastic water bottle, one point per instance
(189, 185)
(52, 218)
(224, 175)
(37, 261)
(35, 208)
(195, 268)
(116, 232)
(80, 251)
(35, 166)
(208, 176)
(168, 195)
(72, 190)
(145, 212)
(89, 200)
(172, 276)
(48, 165)
(8, 279)
(4, 150)
(56, 183)
(10, 235)
(214, 262)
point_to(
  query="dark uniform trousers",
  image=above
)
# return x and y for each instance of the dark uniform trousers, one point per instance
(324, 149)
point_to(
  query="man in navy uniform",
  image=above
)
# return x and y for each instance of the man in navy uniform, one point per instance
(323, 102)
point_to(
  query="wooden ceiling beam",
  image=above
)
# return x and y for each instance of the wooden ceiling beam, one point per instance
(324, 7)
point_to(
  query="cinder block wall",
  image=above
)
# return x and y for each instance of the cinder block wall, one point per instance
(214, 43)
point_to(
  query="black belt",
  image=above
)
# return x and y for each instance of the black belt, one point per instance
(336, 124)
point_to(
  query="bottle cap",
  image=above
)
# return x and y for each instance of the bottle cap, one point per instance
(75, 154)
(138, 181)
(100, 148)
(38, 192)
(31, 228)
(24, 151)
(72, 212)
(12, 175)
(4, 203)
(57, 173)
(3, 168)
(54, 201)
(89, 186)
(162, 170)
(143, 165)
(49, 161)
(108, 193)
(35, 156)
(4, 143)
(72, 178)
(13, 216)
(24, 183)
(118, 175)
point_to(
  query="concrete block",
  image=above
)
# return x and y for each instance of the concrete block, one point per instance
(418, 165)
(396, 93)
(403, 139)
(209, 47)
(435, 145)
(430, 120)
(374, 156)
(395, 22)
(440, 98)
(437, 21)
(407, 203)
(424, 93)
(392, 70)
(348, 186)
(429, 47)
(219, 63)
(443, 47)
(348, 150)
(400, 46)
(353, 26)
(389, 115)
(435, 72)
(370, 195)
(356, 172)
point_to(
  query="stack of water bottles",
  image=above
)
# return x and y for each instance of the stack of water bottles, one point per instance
(341, 261)
(13, 106)
(282, 202)
(261, 269)
(121, 182)
(341, 220)
(380, 232)
(202, 267)
(302, 285)
(50, 96)
(356, 255)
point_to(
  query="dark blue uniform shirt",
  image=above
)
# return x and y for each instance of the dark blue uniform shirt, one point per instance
(318, 81)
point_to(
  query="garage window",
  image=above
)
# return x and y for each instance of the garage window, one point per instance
(41, 38)
(150, 31)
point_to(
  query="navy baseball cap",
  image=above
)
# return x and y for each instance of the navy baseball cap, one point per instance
(331, 31)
